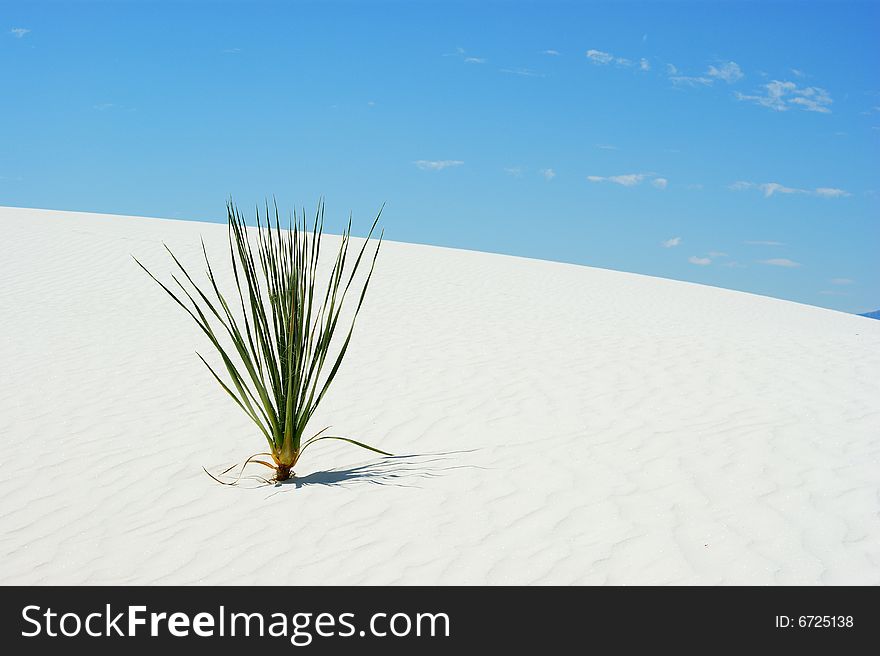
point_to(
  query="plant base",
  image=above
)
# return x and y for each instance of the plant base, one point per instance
(282, 472)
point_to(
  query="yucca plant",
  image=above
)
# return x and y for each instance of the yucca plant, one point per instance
(280, 364)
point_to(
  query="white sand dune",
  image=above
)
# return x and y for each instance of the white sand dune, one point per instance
(567, 425)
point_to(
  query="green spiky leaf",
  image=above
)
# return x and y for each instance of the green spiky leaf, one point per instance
(278, 333)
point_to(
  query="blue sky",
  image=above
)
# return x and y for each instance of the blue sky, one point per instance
(731, 144)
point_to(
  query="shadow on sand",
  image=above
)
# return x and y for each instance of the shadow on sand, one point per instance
(398, 471)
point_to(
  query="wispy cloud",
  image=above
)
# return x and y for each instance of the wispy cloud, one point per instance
(630, 179)
(831, 192)
(462, 54)
(552, 53)
(231, 51)
(768, 188)
(515, 171)
(691, 81)
(781, 262)
(103, 107)
(437, 165)
(627, 180)
(700, 261)
(730, 72)
(19, 32)
(644, 64)
(842, 281)
(771, 188)
(671, 243)
(459, 52)
(599, 57)
(602, 58)
(548, 174)
(763, 242)
(606, 147)
(783, 95)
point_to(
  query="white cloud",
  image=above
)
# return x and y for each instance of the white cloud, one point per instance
(782, 96)
(603, 58)
(771, 188)
(717, 254)
(691, 81)
(781, 262)
(599, 57)
(798, 73)
(728, 71)
(515, 171)
(552, 53)
(437, 165)
(774, 96)
(548, 174)
(701, 261)
(813, 99)
(630, 179)
(842, 281)
(671, 243)
(19, 32)
(461, 53)
(763, 243)
(831, 192)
